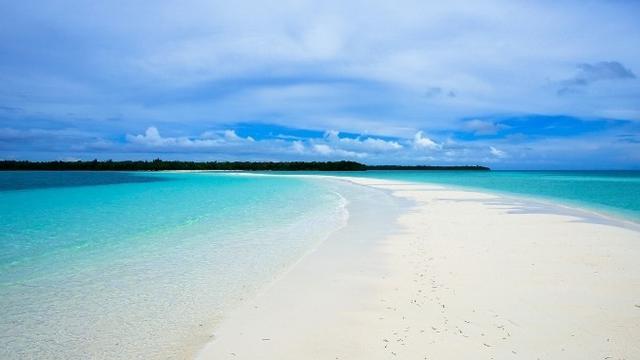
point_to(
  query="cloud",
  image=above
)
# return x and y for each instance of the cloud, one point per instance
(152, 137)
(228, 141)
(49, 139)
(610, 146)
(360, 147)
(604, 70)
(298, 147)
(377, 72)
(232, 136)
(521, 127)
(497, 153)
(208, 140)
(323, 149)
(331, 144)
(361, 144)
(201, 61)
(590, 73)
(9, 109)
(629, 138)
(483, 127)
(436, 91)
(327, 150)
(422, 142)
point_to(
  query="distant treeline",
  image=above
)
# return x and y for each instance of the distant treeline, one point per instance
(158, 165)
(425, 167)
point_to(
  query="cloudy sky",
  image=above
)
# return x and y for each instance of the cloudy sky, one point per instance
(509, 84)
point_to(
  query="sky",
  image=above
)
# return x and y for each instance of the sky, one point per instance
(507, 84)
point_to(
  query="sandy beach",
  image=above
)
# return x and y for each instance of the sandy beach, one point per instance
(464, 275)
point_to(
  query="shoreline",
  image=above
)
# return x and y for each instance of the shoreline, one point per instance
(555, 205)
(582, 207)
(573, 206)
(370, 225)
(362, 319)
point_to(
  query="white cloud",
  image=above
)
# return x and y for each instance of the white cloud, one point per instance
(593, 150)
(297, 147)
(327, 150)
(323, 149)
(228, 141)
(360, 144)
(410, 47)
(232, 136)
(422, 142)
(376, 68)
(152, 138)
(497, 153)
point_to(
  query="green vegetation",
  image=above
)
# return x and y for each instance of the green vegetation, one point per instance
(426, 167)
(157, 165)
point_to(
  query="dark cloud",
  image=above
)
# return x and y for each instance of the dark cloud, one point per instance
(590, 73)
(11, 109)
(433, 91)
(522, 127)
(604, 70)
(436, 91)
(484, 127)
(53, 140)
(629, 138)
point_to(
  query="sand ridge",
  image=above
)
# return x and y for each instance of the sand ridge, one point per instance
(466, 275)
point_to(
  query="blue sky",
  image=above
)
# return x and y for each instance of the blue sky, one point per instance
(512, 85)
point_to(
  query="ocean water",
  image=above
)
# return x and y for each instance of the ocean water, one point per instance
(141, 265)
(615, 193)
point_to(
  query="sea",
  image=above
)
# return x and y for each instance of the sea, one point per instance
(611, 193)
(140, 265)
(143, 265)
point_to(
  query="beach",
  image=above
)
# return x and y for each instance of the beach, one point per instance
(455, 274)
(359, 265)
(306, 180)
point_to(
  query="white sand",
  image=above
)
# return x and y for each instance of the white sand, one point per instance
(469, 276)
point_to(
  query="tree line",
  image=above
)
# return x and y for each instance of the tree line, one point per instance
(159, 165)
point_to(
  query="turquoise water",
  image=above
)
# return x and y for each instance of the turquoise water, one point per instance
(613, 192)
(142, 265)
(116, 265)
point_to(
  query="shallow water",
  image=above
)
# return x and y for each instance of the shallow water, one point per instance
(141, 265)
(613, 192)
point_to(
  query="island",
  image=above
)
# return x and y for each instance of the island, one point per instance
(160, 165)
